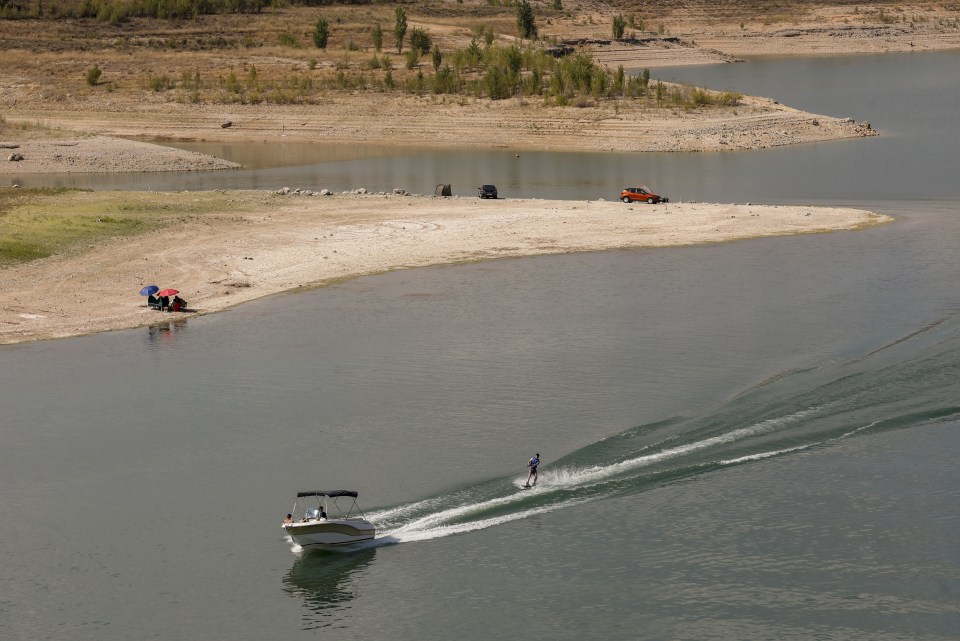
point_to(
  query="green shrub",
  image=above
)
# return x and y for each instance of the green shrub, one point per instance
(496, 83)
(400, 27)
(231, 84)
(446, 81)
(619, 25)
(93, 75)
(321, 33)
(159, 83)
(526, 26)
(412, 58)
(287, 39)
(420, 40)
(377, 37)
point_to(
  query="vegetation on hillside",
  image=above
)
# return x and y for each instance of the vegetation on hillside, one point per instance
(293, 56)
(494, 71)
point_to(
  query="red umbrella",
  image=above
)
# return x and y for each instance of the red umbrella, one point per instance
(168, 292)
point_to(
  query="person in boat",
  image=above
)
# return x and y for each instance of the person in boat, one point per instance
(533, 463)
(288, 520)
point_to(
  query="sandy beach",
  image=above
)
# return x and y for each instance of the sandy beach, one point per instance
(262, 243)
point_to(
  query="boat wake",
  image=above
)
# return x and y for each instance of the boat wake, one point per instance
(798, 411)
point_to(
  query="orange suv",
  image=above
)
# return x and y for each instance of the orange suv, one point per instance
(641, 193)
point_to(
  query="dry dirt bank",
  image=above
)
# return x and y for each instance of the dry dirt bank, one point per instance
(102, 154)
(221, 260)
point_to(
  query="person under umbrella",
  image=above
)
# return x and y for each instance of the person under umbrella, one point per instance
(165, 295)
(153, 302)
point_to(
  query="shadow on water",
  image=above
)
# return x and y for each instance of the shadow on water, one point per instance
(326, 582)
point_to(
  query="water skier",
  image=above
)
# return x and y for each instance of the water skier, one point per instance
(532, 464)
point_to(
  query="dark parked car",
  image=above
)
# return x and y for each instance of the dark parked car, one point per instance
(641, 193)
(487, 191)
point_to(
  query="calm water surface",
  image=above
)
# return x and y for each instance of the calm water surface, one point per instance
(753, 440)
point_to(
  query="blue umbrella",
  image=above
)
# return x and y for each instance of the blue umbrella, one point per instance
(149, 290)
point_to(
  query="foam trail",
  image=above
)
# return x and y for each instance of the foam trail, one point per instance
(407, 534)
(570, 478)
(435, 517)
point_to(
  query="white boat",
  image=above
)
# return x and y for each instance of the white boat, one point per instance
(318, 520)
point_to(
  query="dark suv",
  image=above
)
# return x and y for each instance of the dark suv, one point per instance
(487, 191)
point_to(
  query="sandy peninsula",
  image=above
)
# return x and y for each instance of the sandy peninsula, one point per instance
(252, 244)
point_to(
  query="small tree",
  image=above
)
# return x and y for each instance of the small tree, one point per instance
(93, 75)
(437, 58)
(400, 28)
(377, 37)
(321, 33)
(619, 25)
(488, 36)
(526, 27)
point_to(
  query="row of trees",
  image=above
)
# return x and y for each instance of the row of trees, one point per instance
(495, 72)
(419, 38)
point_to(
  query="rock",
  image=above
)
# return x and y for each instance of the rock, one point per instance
(15, 157)
(226, 124)
(326, 192)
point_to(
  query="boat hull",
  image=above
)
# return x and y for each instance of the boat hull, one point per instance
(330, 533)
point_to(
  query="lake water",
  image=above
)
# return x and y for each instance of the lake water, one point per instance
(754, 440)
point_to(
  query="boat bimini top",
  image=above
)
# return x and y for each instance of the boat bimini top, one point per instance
(352, 510)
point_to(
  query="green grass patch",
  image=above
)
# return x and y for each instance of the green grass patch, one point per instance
(37, 223)
(31, 232)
